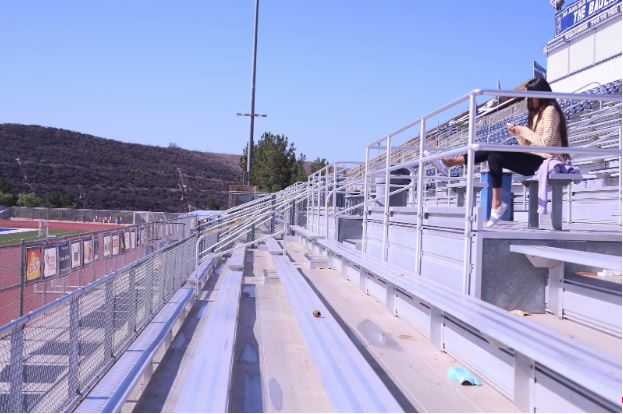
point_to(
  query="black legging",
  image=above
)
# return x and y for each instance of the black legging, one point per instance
(519, 162)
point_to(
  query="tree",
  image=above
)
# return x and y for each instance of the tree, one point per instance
(59, 199)
(275, 165)
(6, 186)
(6, 199)
(212, 204)
(317, 164)
(28, 200)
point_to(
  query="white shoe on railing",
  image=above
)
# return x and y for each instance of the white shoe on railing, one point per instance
(441, 167)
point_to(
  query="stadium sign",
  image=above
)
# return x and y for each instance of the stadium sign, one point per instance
(584, 14)
(580, 17)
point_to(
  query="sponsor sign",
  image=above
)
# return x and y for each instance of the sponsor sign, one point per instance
(33, 263)
(50, 261)
(115, 244)
(96, 247)
(107, 246)
(76, 256)
(126, 240)
(64, 258)
(87, 248)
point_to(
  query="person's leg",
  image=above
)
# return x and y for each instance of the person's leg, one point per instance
(519, 162)
(479, 156)
(494, 160)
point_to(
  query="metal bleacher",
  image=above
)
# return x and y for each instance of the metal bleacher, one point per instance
(358, 290)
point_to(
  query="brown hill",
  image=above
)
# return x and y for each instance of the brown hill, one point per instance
(112, 174)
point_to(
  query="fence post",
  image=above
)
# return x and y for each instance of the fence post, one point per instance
(152, 284)
(74, 347)
(133, 299)
(22, 279)
(16, 370)
(273, 200)
(109, 320)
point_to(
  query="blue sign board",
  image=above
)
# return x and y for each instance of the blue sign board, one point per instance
(580, 12)
(538, 70)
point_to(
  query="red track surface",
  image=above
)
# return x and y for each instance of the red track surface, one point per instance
(58, 225)
(10, 267)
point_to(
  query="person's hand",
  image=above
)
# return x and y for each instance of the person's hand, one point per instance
(512, 129)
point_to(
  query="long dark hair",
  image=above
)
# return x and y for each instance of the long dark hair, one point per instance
(540, 84)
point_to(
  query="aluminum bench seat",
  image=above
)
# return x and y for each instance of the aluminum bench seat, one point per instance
(557, 182)
(272, 246)
(113, 389)
(349, 380)
(530, 344)
(203, 271)
(460, 189)
(307, 234)
(236, 260)
(558, 254)
(206, 380)
(397, 277)
(593, 302)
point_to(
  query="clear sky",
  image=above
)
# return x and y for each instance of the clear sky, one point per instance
(332, 75)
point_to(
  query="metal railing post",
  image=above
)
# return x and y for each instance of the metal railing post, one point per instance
(388, 163)
(74, 348)
(420, 202)
(133, 293)
(364, 236)
(273, 201)
(469, 207)
(16, 369)
(620, 180)
(109, 320)
(335, 218)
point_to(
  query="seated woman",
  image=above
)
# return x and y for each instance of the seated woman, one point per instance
(546, 127)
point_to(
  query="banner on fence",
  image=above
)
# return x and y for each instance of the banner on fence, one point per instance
(107, 246)
(87, 245)
(75, 255)
(115, 244)
(64, 258)
(50, 261)
(126, 241)
(96, 248)
(33, 263)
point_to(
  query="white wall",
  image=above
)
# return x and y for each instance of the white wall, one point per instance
(575, 64)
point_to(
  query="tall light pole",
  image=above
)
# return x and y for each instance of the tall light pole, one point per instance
(252, 114)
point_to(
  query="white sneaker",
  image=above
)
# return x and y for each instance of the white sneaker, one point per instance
(496, 214)
(441, 167)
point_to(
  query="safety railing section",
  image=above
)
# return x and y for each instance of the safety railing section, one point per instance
(254, 221)
(396, 171)
(390, 146)
(51, 357)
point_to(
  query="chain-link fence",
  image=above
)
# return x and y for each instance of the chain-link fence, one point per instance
(53, 356)
(89, 215)
(36, 273)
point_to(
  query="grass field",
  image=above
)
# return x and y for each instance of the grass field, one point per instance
(16, 238)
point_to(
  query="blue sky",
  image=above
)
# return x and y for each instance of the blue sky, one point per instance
(332, 75)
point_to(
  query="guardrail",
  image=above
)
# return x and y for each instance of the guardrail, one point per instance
(51, 357)
(375, 181)
(252, 222)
